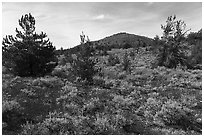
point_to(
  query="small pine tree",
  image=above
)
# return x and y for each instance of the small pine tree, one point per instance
(157, 43)
(29, 53)
(138, 46)
(126, 63)
(171, 53)
(84, 65)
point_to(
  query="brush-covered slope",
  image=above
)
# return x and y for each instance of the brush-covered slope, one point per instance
(115, 41)
(125, 38)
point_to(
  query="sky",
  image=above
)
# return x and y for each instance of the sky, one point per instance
(63, 22)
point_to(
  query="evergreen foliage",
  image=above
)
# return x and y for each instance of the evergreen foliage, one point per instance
(171, 53)
(29, 53)
(157, 43)
(83, 66)
(195, 39)
(126, 63)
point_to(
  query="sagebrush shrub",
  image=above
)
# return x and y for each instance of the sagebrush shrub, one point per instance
(12, 115)
(113, 60)
(34, 129)
(174, 114)
(61, 71)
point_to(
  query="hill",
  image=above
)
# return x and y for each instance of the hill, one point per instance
(119, 40)
(125, 38)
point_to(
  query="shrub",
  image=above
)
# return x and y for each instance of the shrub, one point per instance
(69, 97)
(99, 81)
(39, 94)
(12, 115)
(48, 82)
(113, 60)
(174, 114)
(53, 125)
(150, 109)
(62, 71)
(196, 52)
(62, 60)
(102, 125)
(194, 37)
(34, 129)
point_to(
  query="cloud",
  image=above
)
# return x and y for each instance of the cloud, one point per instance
(99, 17)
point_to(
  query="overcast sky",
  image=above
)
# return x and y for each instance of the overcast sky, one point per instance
(64, 22)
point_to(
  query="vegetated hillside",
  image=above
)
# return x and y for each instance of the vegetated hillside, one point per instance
(115, 86)
(127, 96)
(125, 38)
(138, 100)
(119, 40)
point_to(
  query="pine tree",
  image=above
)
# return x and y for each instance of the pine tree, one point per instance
(171, 53)
(84, 65)
(156, 43)
(28, 53)
(126, 63)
